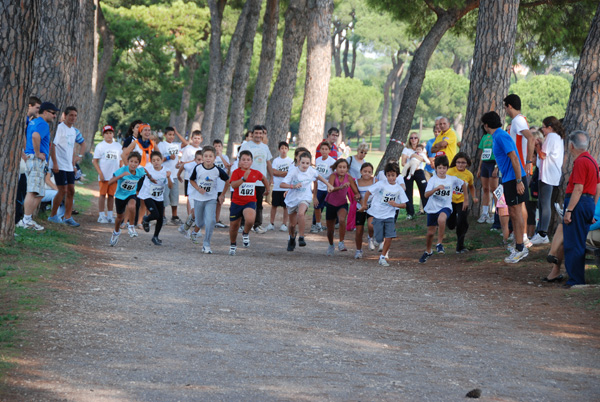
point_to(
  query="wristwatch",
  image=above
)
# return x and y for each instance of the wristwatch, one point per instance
(568, 210)
(519, 181)
(243, 178)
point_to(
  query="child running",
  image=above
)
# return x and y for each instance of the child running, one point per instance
(363, 183)
(221, 161)
(388, 195)
(125, 199)
(299, 181)
(171, 151)
(204, 180)
(151, 193)
(243, 199)
(460, 207)
(280, 166)
(188, 156)
(439, 204)
(337, 202)
(188, 168)
(323, 166)
(107, 159)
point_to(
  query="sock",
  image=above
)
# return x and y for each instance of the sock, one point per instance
(116, 232)
(486, 210)
(101, 214)
(519, 247)
(110, 214)
(382, 257)
(26, 218)
(131, 227)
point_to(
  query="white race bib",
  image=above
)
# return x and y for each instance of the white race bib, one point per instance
(206, 185)
(487, 153)
(111, 155)
(247, 189)
(498, 192)
(446, 192)
(157, 191)
(129, 185)
(322, 169)
(387, 197)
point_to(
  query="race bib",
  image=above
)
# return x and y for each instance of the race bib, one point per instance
(458, 190)
(487, 154)
(387, 197)
(322, 169)
(219, 164)
(129, 185)
(205, 185)
(173, 151)
(283, 168)
(157, 191)
(111, 155)
(247, 189)
(446, 192)
(498, 192)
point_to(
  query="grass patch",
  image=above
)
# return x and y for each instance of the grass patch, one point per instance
(24, 265)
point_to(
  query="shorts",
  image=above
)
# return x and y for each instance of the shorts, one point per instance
(171, 195)
(237, 211)
(64, 178)
(277, 199)
(361, 218)
(384, 229)
(432, 219)
(321, 195)
(511, 195)
(36, 173)
(295, 208)
(121, 205)
(185, 187)
(106, 189)
(487, 168)
(331, 213)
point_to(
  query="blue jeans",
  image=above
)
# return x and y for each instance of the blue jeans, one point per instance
(205, 212)
(574, 239)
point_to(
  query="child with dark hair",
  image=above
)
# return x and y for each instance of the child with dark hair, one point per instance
(460, 207)
(281, 166)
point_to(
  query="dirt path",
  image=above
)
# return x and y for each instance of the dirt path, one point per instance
(147, 323)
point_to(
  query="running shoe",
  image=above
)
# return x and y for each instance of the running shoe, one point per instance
(146, 225)
(517, 256)
(291, 244)
(425, 257)
(260, 230)
(182, 229)
(55, 219)
(358, 255)
(157, 241)
(490, 220)
(483, 218)
(188, 222)
(102, 219)
(246, 239)
(114, 239)
(383, 262)
(270, 227)
(176, 221)
(538, 239)
(132, 232)
(409, 217)
(194, 237)
(232, 249)
(31, 224)
(20, 224)
(283, 228)
(221, 225)
(241, 229)
(331, 249)
(206, 250)
(341, 246)
(314, 229)
(301, 241)
(439, 248)
(371, 244)
(110, 220)
(462, 251)
(380, 249)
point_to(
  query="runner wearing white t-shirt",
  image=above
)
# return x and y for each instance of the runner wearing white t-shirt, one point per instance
(221, 161)
(151, 193)
(188, 155)
(281, 166)
(107, 159)
(171, 152)
(323, 166)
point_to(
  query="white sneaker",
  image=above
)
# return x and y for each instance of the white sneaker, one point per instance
(194, 237)
(482, 219)
(270, 227)
(490, 220)
(181, 229)
(380, 247)
(517, 256)
(341, 246)
(511, 237)
(206, 250)
(371, 244)
(331, 249)
(246, 240)
(20, 224)
(110, 220)
(131, 231)
(232, 250)
(323, 228)
(114, 239)
(102, 219)
(283, 228)
(537, 239)
(260, 230)
(383, 262)
(32, 225)
(358, 255)
(241, 230)
(314, 229)
(220, 225)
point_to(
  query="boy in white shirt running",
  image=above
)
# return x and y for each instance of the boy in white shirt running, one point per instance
(151, 193)
(439, 204)
(323, 167)
(171, 151)
(221, 161)
(107, 159)
(281, 166)
(188, 169)
(188, 155)
(388, 195)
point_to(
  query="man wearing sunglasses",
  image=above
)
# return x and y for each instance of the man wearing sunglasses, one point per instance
(37, 150)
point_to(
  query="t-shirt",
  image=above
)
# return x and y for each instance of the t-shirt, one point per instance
(430, 155)
(171, 151)
(323, 167)
(109, 158)
(188, 154)
(517, 126)
(154, 190)
(219, 163)
(127, 185)
(503, 145)
(381, 177)
(207, 180)
(487, 148)
(64, 142)
(465, 176)
(585, 171)
(551, 167)
(39, 126)
(332, 153)
(409, 152)
(304, 193)
(260, 156)
(450, 137)
(441, 198)
(246, 192)
(384, 192)
(282, 165)
(355, 166)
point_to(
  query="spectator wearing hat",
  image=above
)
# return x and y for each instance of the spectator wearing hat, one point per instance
(107, 159)
(37, 150)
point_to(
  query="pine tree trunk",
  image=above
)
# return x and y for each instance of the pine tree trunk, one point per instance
(318, 72)
(18, 44)
(416, 74)
(398, 91)
(336, 45)
(240, 78)
(387, 87)
(196, 124)
(267, 63)
(216, 61)
(280, 104)
(182, 118)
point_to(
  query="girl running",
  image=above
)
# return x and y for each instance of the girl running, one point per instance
(460, 209)
(337, 202)
(151, 194)
(364, 182)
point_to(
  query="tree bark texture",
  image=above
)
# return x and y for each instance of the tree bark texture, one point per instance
(19, 21)
(446, 20)
(318, 72)
(393, 76)
(280, 104)
(181, 119)
(216, 18)
(240, 78)
(262, 86)
(336, 46)
(398, 88)
(196, 124)
(219, 124)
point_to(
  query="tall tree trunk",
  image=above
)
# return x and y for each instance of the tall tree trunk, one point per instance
(397, 92)
(280, 104)
(216, 61)
(191, 65)
(345, 59)
(196, 124)
(240, 78)
(418, 66)
(267, 63)
(397, 66)
(318, 72)
(18, 44)
(336, 45)
(219, 124)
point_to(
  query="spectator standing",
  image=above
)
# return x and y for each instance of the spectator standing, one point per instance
(332, 136)
(445, 143)
(488, 175)
(32, 113)
(132, 133)
(410, 152)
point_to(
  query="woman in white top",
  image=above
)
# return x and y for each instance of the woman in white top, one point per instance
(355, 162)
(410, 151)
(551, 154)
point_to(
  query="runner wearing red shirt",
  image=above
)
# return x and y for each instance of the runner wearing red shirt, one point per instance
(243, 200)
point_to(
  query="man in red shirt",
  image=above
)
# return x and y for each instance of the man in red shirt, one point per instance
(582, 193)
(332, 136)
